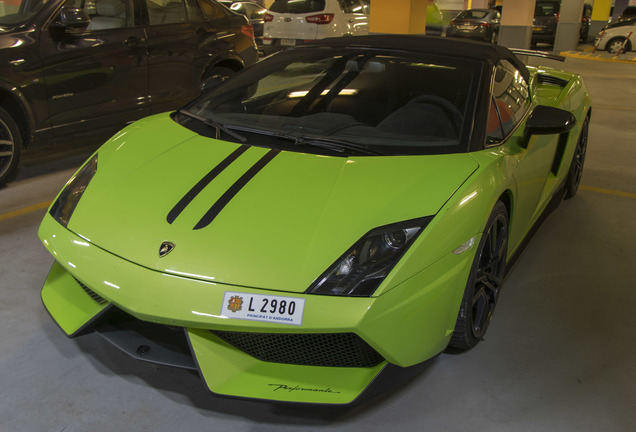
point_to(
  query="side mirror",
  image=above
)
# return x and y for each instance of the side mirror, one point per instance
(72, 18)
(545, 120)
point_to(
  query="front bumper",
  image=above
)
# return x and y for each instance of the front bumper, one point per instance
(405, 326)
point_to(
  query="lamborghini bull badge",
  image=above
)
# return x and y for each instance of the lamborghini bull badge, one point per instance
(165, 249)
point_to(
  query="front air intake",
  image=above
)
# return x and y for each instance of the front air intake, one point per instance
(313, 349)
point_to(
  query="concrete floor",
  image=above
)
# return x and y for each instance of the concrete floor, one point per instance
(559, 355)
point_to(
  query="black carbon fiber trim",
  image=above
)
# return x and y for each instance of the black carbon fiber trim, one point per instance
(96, 297)
(311, 349)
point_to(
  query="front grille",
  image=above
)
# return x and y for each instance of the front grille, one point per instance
(548, 79)
(314, 349)
(98, 299)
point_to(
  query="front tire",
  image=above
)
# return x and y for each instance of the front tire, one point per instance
(615, 45)
(576, 167)
(484, 282)
(10, 147)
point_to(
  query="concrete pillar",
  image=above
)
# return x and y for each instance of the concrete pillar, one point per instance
(569, 27)
(515, 29)
(398, 16)
(619, 7)
(600, 15)
(477, 4)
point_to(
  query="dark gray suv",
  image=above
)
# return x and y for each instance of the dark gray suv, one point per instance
(72, 69)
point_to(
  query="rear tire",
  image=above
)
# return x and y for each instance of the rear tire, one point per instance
(576, 167)
(10, 147)
(484, 283)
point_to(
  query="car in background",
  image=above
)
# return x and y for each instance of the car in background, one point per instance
(546, 19)
(337, 211)
(628, 13)
(295, 22)
(254, 12)
(77, 69)
(480, 24)
(544, 24)
(613, 37)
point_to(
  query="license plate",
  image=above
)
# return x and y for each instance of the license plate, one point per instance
(265, 308)
(537, 28)
(467, 27)
(288, 42)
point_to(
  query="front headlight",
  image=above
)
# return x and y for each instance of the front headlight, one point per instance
(64, 206)
(360, 271)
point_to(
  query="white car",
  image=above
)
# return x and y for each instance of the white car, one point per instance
(612, 37)
(294, 22)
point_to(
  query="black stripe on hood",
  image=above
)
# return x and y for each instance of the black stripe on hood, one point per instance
(235, 188)
(192, 193)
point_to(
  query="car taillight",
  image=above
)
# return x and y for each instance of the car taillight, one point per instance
(248, 30)
(484, 24)
(319, 19)
(558, 15)
(268, 17)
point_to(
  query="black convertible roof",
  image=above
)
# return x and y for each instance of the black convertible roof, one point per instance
(430, 44)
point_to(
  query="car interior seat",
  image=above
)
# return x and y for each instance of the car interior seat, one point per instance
(110, 14)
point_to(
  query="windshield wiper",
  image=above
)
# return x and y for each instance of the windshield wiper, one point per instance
(331, 144)
(327, 143)
(218, 126)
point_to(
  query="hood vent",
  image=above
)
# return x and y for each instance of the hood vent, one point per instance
(548, 79)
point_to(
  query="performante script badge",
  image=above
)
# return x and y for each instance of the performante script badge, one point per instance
(165, 249)
(235, 304)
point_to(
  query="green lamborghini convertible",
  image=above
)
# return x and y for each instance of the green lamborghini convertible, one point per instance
(337, 208)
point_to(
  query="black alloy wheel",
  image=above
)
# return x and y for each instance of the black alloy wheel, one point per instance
(578, 160)
(484, 283)
(10, 147)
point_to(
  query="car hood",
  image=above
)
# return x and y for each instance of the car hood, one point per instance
(277, 228)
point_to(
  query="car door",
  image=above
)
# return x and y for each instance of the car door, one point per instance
(97, 76)
(174, 30)
(531, 159)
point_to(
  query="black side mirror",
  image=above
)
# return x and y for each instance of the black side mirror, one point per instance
(545, 120)
(72, 18)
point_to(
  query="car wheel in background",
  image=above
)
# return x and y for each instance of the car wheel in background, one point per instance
(10, 147)
(484, 282)
(576, 167)
(615, 44)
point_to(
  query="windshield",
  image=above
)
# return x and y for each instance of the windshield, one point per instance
(297, 6)
(473, 14)
(385, 102)
(16, 12)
